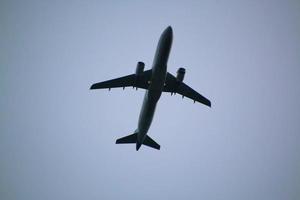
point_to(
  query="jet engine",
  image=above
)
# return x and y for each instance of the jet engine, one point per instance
(180, 74)
(139, 68)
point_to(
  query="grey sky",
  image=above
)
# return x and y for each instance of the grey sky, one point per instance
(57, 137)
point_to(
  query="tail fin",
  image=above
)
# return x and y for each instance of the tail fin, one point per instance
(133, 139)
(127, 139)
(151, 143)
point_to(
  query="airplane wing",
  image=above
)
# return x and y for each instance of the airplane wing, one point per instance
(173, 86)
(140, 81)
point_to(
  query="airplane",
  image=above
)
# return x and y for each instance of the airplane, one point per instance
(154, 81)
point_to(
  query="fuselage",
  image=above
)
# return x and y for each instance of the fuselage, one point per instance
(152, 95)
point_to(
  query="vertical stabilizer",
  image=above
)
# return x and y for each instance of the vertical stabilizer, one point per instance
(131, 139)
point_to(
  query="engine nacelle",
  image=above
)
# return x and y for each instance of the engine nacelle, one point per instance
(139, 68)
(180, 74)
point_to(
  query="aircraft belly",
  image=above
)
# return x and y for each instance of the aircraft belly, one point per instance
(158, 78)
(151, 98)
(146, 116)
(152, 95)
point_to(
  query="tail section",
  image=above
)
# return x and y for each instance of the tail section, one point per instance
(133, 139)
(151, 143)
(127, 139)
(138, 146)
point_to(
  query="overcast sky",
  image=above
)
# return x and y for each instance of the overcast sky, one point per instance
(57, 138)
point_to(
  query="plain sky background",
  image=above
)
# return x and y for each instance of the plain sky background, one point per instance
(57, 138)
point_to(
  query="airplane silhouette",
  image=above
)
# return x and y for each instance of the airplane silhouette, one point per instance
(154, 81)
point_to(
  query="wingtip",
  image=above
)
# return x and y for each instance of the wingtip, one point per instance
(209, 105)
(92, 87)
(206, 103)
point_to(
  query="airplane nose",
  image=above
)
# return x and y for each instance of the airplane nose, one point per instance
(167, 34)
(169, 30)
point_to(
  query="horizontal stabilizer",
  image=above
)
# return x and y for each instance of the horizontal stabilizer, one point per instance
(127, 139)
(151, 143)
